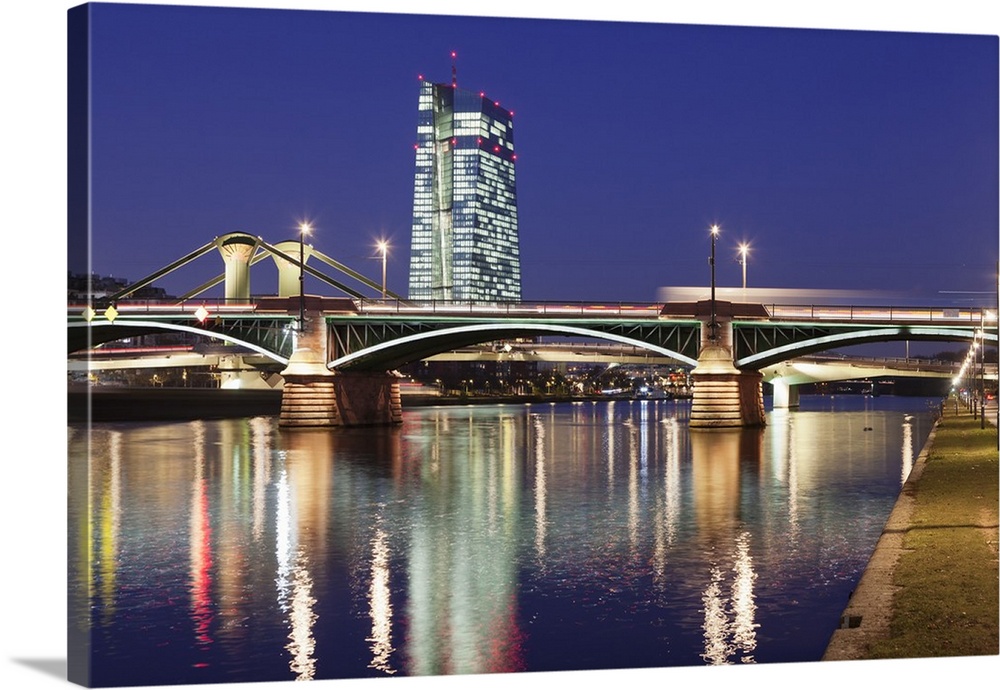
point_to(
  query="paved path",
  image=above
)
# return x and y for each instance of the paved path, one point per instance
(991, 411)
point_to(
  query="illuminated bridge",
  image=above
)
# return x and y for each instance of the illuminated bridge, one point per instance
(337, 352)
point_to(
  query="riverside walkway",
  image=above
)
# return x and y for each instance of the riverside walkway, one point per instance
(931, 587)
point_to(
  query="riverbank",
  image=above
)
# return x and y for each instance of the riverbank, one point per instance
(931, 587)
(113, 404)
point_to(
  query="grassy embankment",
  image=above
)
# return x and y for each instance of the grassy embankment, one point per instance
(948, 603)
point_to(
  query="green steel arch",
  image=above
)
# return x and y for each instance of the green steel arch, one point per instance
(833, 337)
(272, 338)
(398, 350)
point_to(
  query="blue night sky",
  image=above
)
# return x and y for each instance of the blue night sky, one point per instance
(848, 159)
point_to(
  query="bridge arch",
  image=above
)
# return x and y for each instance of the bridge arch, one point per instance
(107, 332)
(411, 348)
(775, 355)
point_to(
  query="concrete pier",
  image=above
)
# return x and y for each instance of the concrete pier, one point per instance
(724, 396)
(340, 400)
(786, 395)
(314, 396)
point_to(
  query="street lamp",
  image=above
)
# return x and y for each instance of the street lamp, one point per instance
(383, 247)
(743, 249)
(304, 229)
(712, 326)
(983, 315)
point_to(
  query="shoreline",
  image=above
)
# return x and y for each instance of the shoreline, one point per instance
(869, 609)
(113, 404)
(875, 624)
(129, 404)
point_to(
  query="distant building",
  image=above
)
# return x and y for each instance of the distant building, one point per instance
(83, 287)
(464, 243)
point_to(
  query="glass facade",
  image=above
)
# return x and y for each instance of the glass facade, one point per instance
(464, 242)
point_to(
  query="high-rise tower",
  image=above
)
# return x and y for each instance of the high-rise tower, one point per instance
(464, 242)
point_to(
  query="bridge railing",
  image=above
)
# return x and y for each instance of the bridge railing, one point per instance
(804, 312)
(507, 309)
(880, 314)
(219, 305)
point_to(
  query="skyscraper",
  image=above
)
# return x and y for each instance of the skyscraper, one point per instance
(464, 242)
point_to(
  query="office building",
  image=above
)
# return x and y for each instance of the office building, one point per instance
(464, 242)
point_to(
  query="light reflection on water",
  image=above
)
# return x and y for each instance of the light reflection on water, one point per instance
(479, 539)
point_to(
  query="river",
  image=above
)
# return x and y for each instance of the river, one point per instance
(476, 539)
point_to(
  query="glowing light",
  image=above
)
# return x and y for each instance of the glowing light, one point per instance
(201, 314)
(744, 608)
(541, 521)
(907, 466)
(714, 230)
(200, 567)
(302, 644)
(717, 649)
(305, 228)
(380, 605)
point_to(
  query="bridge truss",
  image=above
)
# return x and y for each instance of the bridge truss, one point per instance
(272, 335)
(379, 343)
(758, 344)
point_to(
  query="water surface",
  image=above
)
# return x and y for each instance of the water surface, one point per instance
(477, 539)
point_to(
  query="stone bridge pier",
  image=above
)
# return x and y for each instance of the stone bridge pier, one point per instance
(724, 396)
(313, 396)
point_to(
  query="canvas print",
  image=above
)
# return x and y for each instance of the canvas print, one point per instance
(427, 345)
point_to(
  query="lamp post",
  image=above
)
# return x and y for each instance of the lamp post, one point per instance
(304, 229)
(970, 364)
(383, 247)
(986, 316)
(712, 326)
(982, 371)
(983, 316)
(744, 248)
